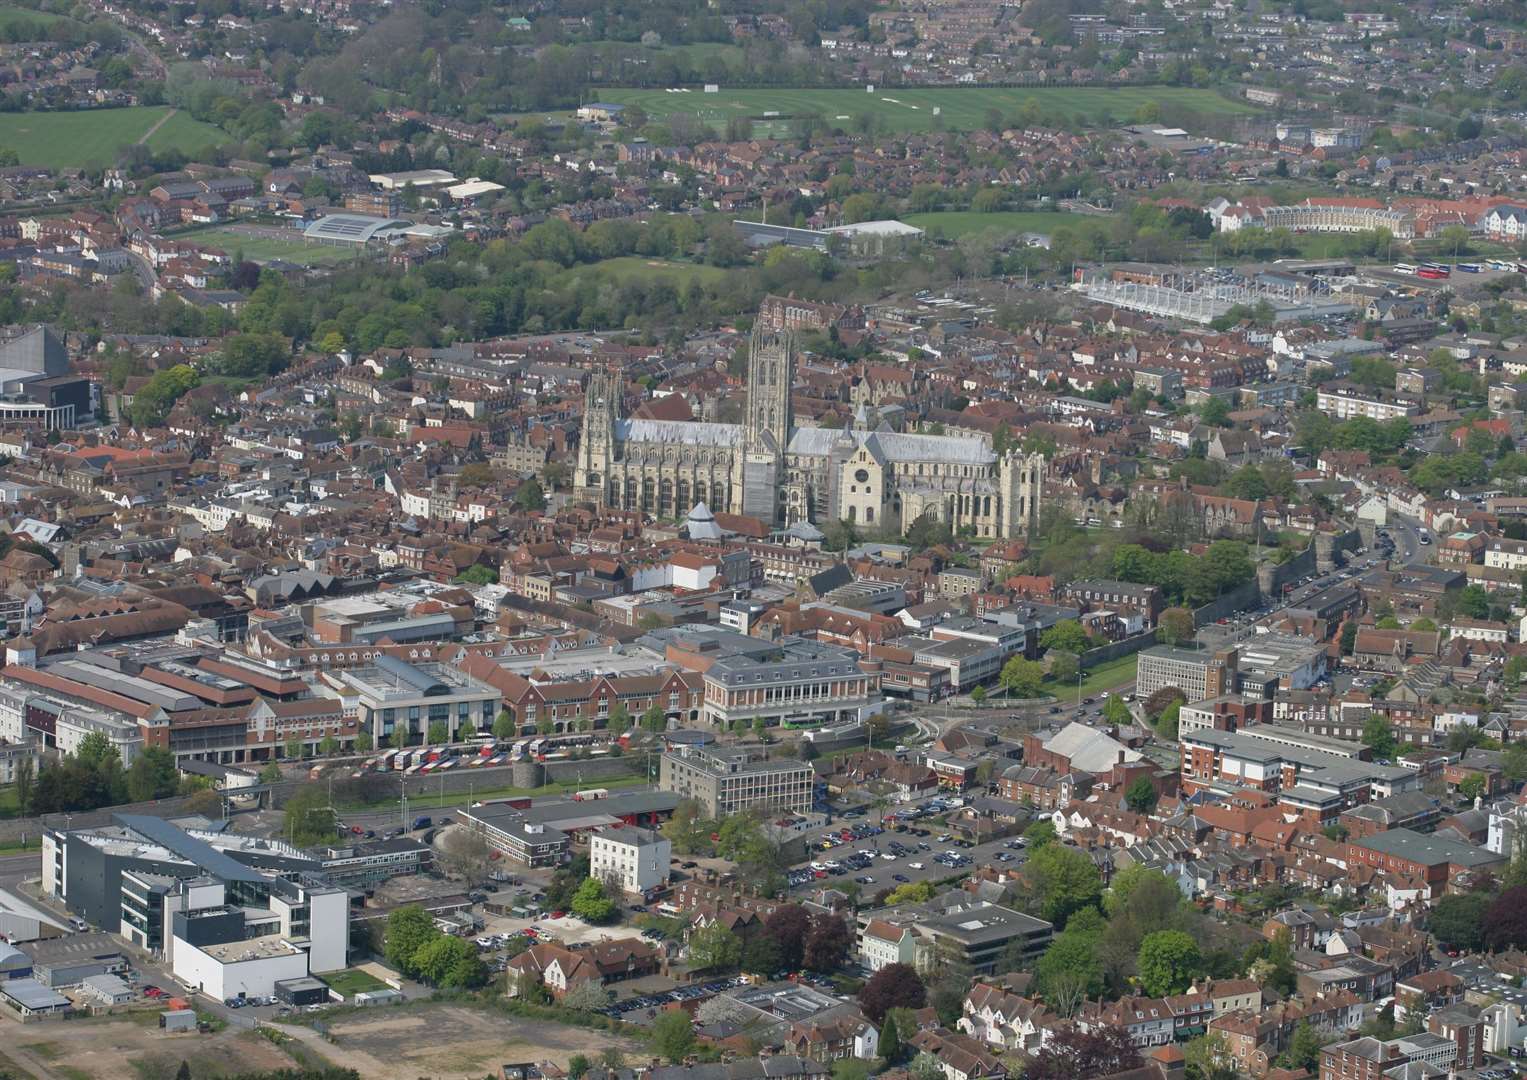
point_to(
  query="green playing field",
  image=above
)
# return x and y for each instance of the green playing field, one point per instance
(959, 108)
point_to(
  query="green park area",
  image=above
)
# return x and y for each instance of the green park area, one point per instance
(94, 137)
(903, 110)
(353, 981)
(634, 268)
(264, 248)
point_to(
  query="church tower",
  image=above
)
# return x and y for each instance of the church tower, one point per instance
(596, 446)
(1021, 478)
(766, 429)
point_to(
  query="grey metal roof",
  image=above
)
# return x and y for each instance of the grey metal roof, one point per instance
(419, 680)
(198, 852)
(33, 994)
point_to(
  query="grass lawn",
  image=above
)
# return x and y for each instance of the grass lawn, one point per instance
(635, 267)
(262, 249)
(353, 981)
(957, 223)
(424, 802)
(92, 137)
(10, 16)
(960, 108)
(1113, 673)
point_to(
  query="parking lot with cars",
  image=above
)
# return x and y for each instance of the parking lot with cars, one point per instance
(919, 847)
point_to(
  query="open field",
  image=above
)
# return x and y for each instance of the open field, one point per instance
(635, 267)
(954, 224)
(960, 108)
(404, 1043)
(63, 140)
(10, 15)
(263, 247)
(1106, 676)
(423, 804)
(131, 1046)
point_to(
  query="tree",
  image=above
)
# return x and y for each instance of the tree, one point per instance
(1039, 834)
(1141, 795)
(1116, 712)
(688, 830)
(828, 943)
(577, 1065)
(1471, 788)
(714, 948)
(925, 1067)
(789, 926)
(292, 748)
(1208, 1058)
(1064, 667)
(1063, 881)
(444, 960)
(1073, 1054)
(1070, 970)
(1378, 735)
(1473, 601)
(620, 717)
(184, 1072)
(1175, 626)
(1166, 724)
(761, 955)
(978, 695)
(654, 719)
(1505, 920)
(890, 1041)
(893, 986)
(1169, 962)
(1067, 636)
(1303, 1048)
(1022, 678)
(466, 852)
(439, 733)
(586, 996)
(309, 818)
(673, 1035)
(25, 785)
(591, 904)
(95, 750)
(530, 496)
(152, 775)
(504, 727)
(408, 929)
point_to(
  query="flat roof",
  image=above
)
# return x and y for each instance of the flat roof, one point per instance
(260, 948)
(32, 994)
(1427, 849)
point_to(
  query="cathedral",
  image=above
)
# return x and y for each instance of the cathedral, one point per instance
(767, 468)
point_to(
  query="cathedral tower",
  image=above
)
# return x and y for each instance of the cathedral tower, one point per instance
(596, 446)
(1021, 477)
(766, 429)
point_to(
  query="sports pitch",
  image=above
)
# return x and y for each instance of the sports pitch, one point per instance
(959, 108)
(62, 140)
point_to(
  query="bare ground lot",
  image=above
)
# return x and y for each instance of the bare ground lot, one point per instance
(132, 1049)
(407, 1043)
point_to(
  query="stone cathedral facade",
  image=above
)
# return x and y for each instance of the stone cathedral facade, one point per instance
(767, 468)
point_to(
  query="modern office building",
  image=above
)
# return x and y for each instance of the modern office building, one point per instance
(736, 779)
(789, 681)
(395, 697)
(228, 914)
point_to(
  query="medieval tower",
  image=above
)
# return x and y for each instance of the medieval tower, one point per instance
(766, 429)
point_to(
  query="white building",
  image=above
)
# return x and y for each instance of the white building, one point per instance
(637, 858)
(239, 968)
(1502, 553)
(882, 943)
